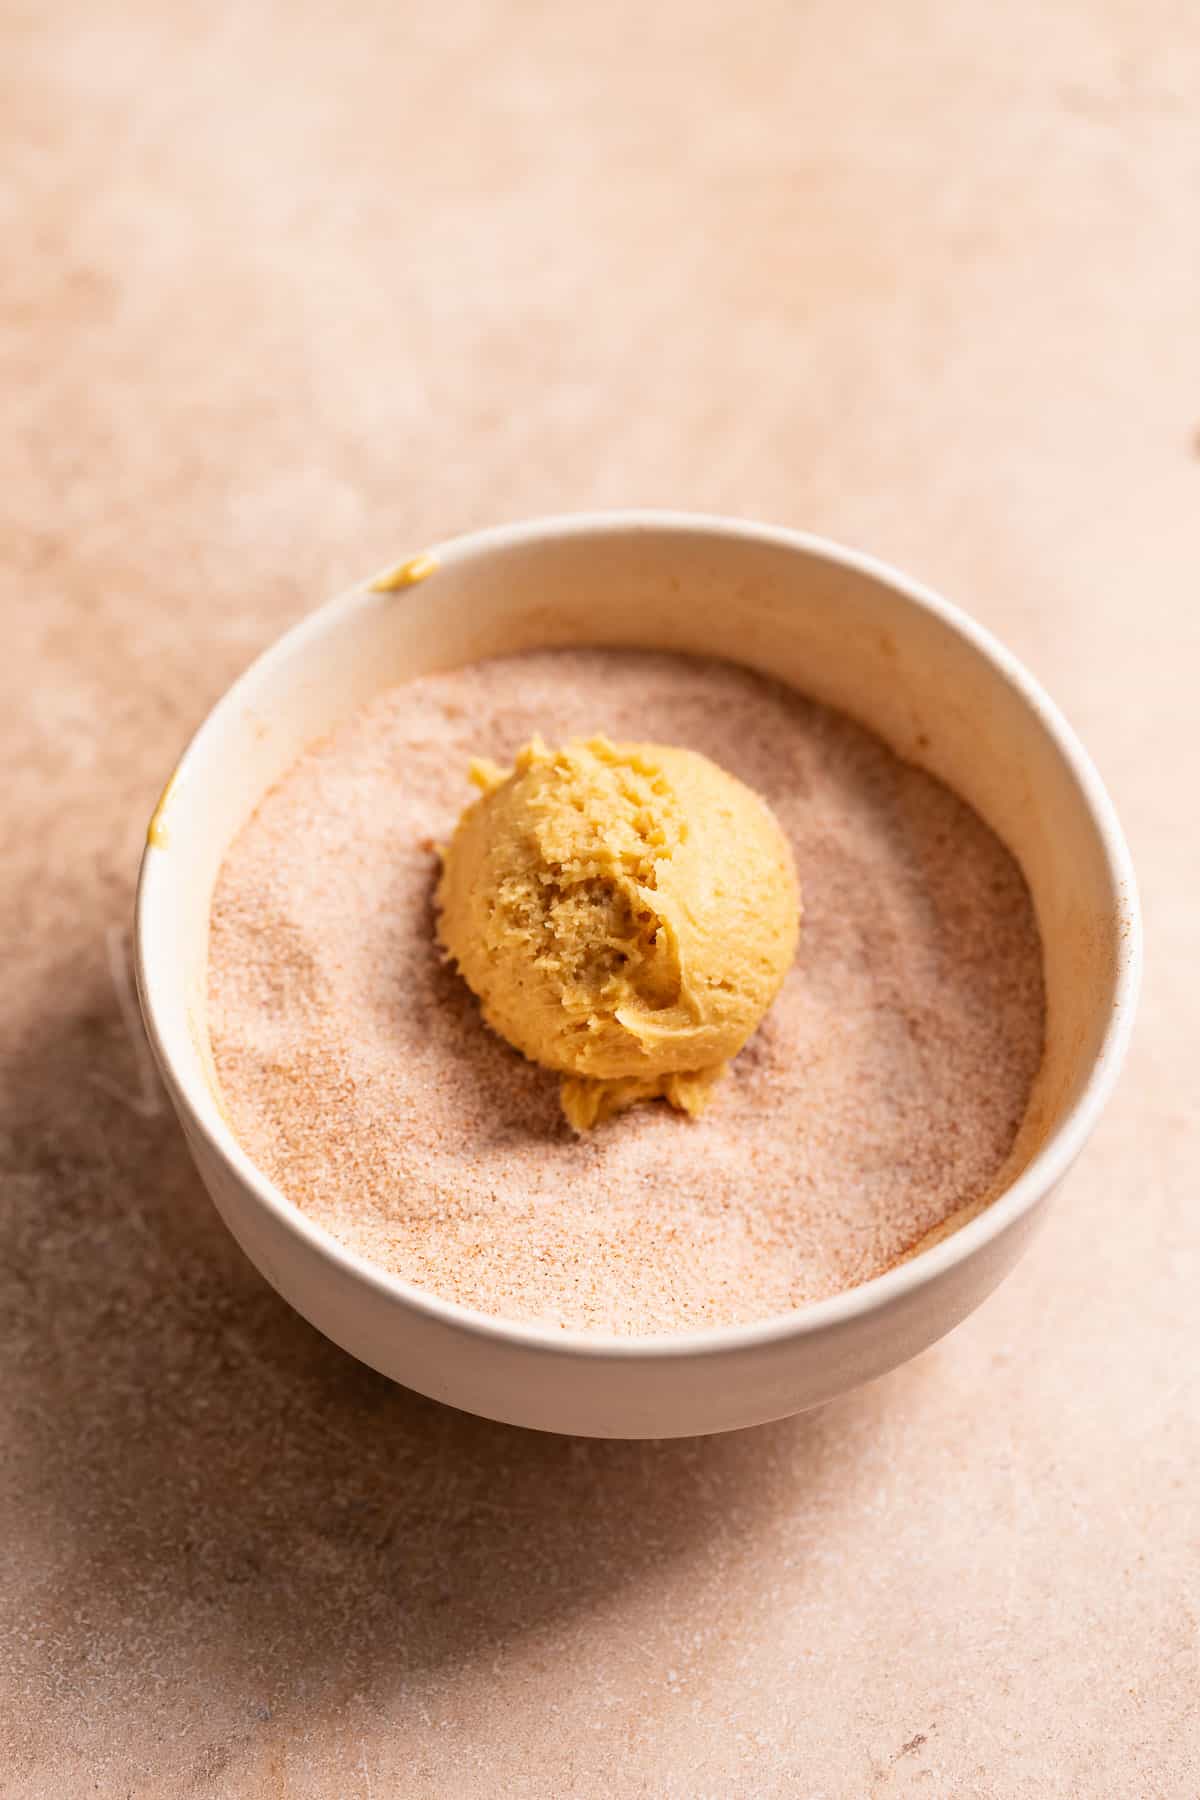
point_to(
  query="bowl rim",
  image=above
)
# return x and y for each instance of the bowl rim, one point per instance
(1040, 1175)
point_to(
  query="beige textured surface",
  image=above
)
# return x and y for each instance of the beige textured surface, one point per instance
(288, 290)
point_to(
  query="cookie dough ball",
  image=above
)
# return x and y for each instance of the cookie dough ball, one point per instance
(625, 913)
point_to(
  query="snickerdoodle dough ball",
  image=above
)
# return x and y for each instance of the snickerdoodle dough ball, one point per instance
(625, 913)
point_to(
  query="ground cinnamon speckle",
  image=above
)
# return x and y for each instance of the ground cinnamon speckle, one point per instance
(881, 1094)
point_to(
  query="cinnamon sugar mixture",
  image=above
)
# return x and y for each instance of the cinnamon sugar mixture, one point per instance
(881, 1094)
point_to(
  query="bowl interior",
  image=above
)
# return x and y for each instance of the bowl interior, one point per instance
(839, 628)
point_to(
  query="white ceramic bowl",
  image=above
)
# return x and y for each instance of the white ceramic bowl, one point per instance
(840, 627)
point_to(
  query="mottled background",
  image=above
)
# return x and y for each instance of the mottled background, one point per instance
(288, 289)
